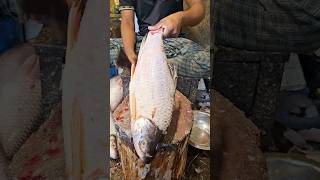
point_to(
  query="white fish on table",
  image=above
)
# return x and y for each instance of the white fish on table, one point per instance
(151, 91)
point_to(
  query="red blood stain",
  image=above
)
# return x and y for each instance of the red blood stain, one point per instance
(119, 119)
(26, 175)
(53, 152)
(33, 161)
(53, 139)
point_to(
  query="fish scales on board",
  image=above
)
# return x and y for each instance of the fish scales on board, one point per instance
(152, 90)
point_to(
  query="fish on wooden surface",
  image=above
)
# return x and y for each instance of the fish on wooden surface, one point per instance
(20, 96)
(152, 90)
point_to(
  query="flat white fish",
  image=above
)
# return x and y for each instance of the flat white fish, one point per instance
(116, 92)
(116, 96)
(20, 96)
(152, 91)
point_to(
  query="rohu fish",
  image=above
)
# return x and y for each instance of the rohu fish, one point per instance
(151, 94)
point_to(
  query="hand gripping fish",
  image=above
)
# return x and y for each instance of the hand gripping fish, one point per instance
(152, 90)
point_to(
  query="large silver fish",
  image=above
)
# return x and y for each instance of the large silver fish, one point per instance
(20, 96)
(152, 90)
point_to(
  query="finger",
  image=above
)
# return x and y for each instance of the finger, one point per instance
(155, 27)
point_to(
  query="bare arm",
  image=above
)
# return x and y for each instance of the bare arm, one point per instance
(128, 34)
(172, 24)
(194, 14)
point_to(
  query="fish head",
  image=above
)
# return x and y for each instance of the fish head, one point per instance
(146, 136)
(113, 147)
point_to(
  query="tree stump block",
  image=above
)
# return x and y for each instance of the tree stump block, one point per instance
(168, 163)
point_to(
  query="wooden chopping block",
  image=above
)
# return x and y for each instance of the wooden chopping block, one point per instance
(168, 163)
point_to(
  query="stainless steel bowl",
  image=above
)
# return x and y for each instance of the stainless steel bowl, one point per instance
(200, 134)
(282, 166)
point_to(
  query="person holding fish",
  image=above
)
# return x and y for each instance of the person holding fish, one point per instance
(168, 15)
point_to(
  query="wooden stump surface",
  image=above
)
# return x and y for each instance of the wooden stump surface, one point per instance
(167, 164)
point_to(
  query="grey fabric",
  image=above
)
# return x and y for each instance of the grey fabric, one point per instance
(193, 61)
(268, 25)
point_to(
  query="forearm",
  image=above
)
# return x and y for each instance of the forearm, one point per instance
(194, 14)
(128, 37)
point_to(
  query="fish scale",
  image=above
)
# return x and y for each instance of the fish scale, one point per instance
(20, 96)
(152, 90)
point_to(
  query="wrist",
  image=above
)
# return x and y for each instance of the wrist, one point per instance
(132, 56)
(131, 53)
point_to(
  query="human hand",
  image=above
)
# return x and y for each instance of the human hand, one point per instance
(171, 25)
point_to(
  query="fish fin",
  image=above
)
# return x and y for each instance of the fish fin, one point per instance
(133, 115)
(173, 66)
(175, 75)
(163, 146)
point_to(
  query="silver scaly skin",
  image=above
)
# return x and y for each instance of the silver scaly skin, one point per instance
(151, 93)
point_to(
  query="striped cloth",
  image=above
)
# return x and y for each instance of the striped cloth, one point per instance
(192, 59)
(268, 25)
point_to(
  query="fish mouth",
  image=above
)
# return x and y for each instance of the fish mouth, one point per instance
(146, 136)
